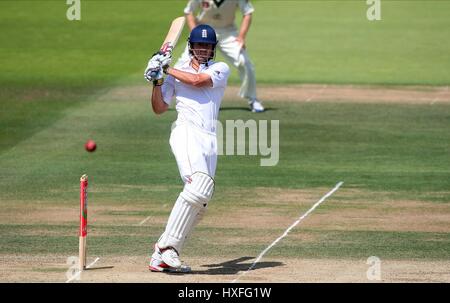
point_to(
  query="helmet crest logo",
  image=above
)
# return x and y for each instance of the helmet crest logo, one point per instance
(204, 33)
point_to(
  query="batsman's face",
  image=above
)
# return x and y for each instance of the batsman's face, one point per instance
(203, 51)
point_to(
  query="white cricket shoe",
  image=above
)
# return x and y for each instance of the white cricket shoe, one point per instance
(170, 256)
(158, 265)
(256, 106)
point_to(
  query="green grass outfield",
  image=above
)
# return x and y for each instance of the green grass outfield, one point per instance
(60, 84)
(46, 58)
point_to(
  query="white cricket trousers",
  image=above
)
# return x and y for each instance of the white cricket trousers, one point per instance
(194, 150)
(237, 56)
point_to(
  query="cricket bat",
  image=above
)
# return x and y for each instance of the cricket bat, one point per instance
(172, 36)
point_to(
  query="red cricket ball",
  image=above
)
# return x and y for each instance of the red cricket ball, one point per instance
(90, 146)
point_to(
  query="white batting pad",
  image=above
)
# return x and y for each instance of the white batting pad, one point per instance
(191, 201)
(199, 190)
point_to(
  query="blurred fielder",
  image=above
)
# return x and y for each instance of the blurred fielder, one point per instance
(198, 86)
(220, 14)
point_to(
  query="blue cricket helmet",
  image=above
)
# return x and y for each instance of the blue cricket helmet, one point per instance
(203, 33)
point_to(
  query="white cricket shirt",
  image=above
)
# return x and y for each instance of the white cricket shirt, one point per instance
(220, 14)
(198, 105)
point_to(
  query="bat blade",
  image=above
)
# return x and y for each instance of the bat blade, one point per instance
(173, 35)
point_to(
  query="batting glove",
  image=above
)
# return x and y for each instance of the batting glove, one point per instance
(157, 61)
(154, 74)
(152, 69)
(162, 58)
(165, 59)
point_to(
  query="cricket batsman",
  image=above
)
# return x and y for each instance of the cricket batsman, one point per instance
(220, 14)
(198, 86)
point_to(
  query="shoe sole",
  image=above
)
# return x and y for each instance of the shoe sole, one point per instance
(182, 269)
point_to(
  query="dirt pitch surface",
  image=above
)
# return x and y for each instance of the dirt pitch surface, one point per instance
(357, 214)
(223, 270)
(319, 93)
(350, 93)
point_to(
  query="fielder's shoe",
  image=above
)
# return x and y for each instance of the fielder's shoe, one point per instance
(158, 265)
(256, 106)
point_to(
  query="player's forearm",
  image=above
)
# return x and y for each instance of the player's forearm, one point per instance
(197, 80)
(245, 26)
(190, 20)
(158, 105)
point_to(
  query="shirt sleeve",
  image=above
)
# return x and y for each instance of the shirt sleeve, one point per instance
(168, 89)
(246, 7)
(219, 73)
(192, 6)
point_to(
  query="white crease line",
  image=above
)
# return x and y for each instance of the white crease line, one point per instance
(288, 230)
(145, 220)
(79, 272)
(317, 94)
(434, 101)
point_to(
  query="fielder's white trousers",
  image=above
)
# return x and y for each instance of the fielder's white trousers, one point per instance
(238, 57)
(194, 150)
